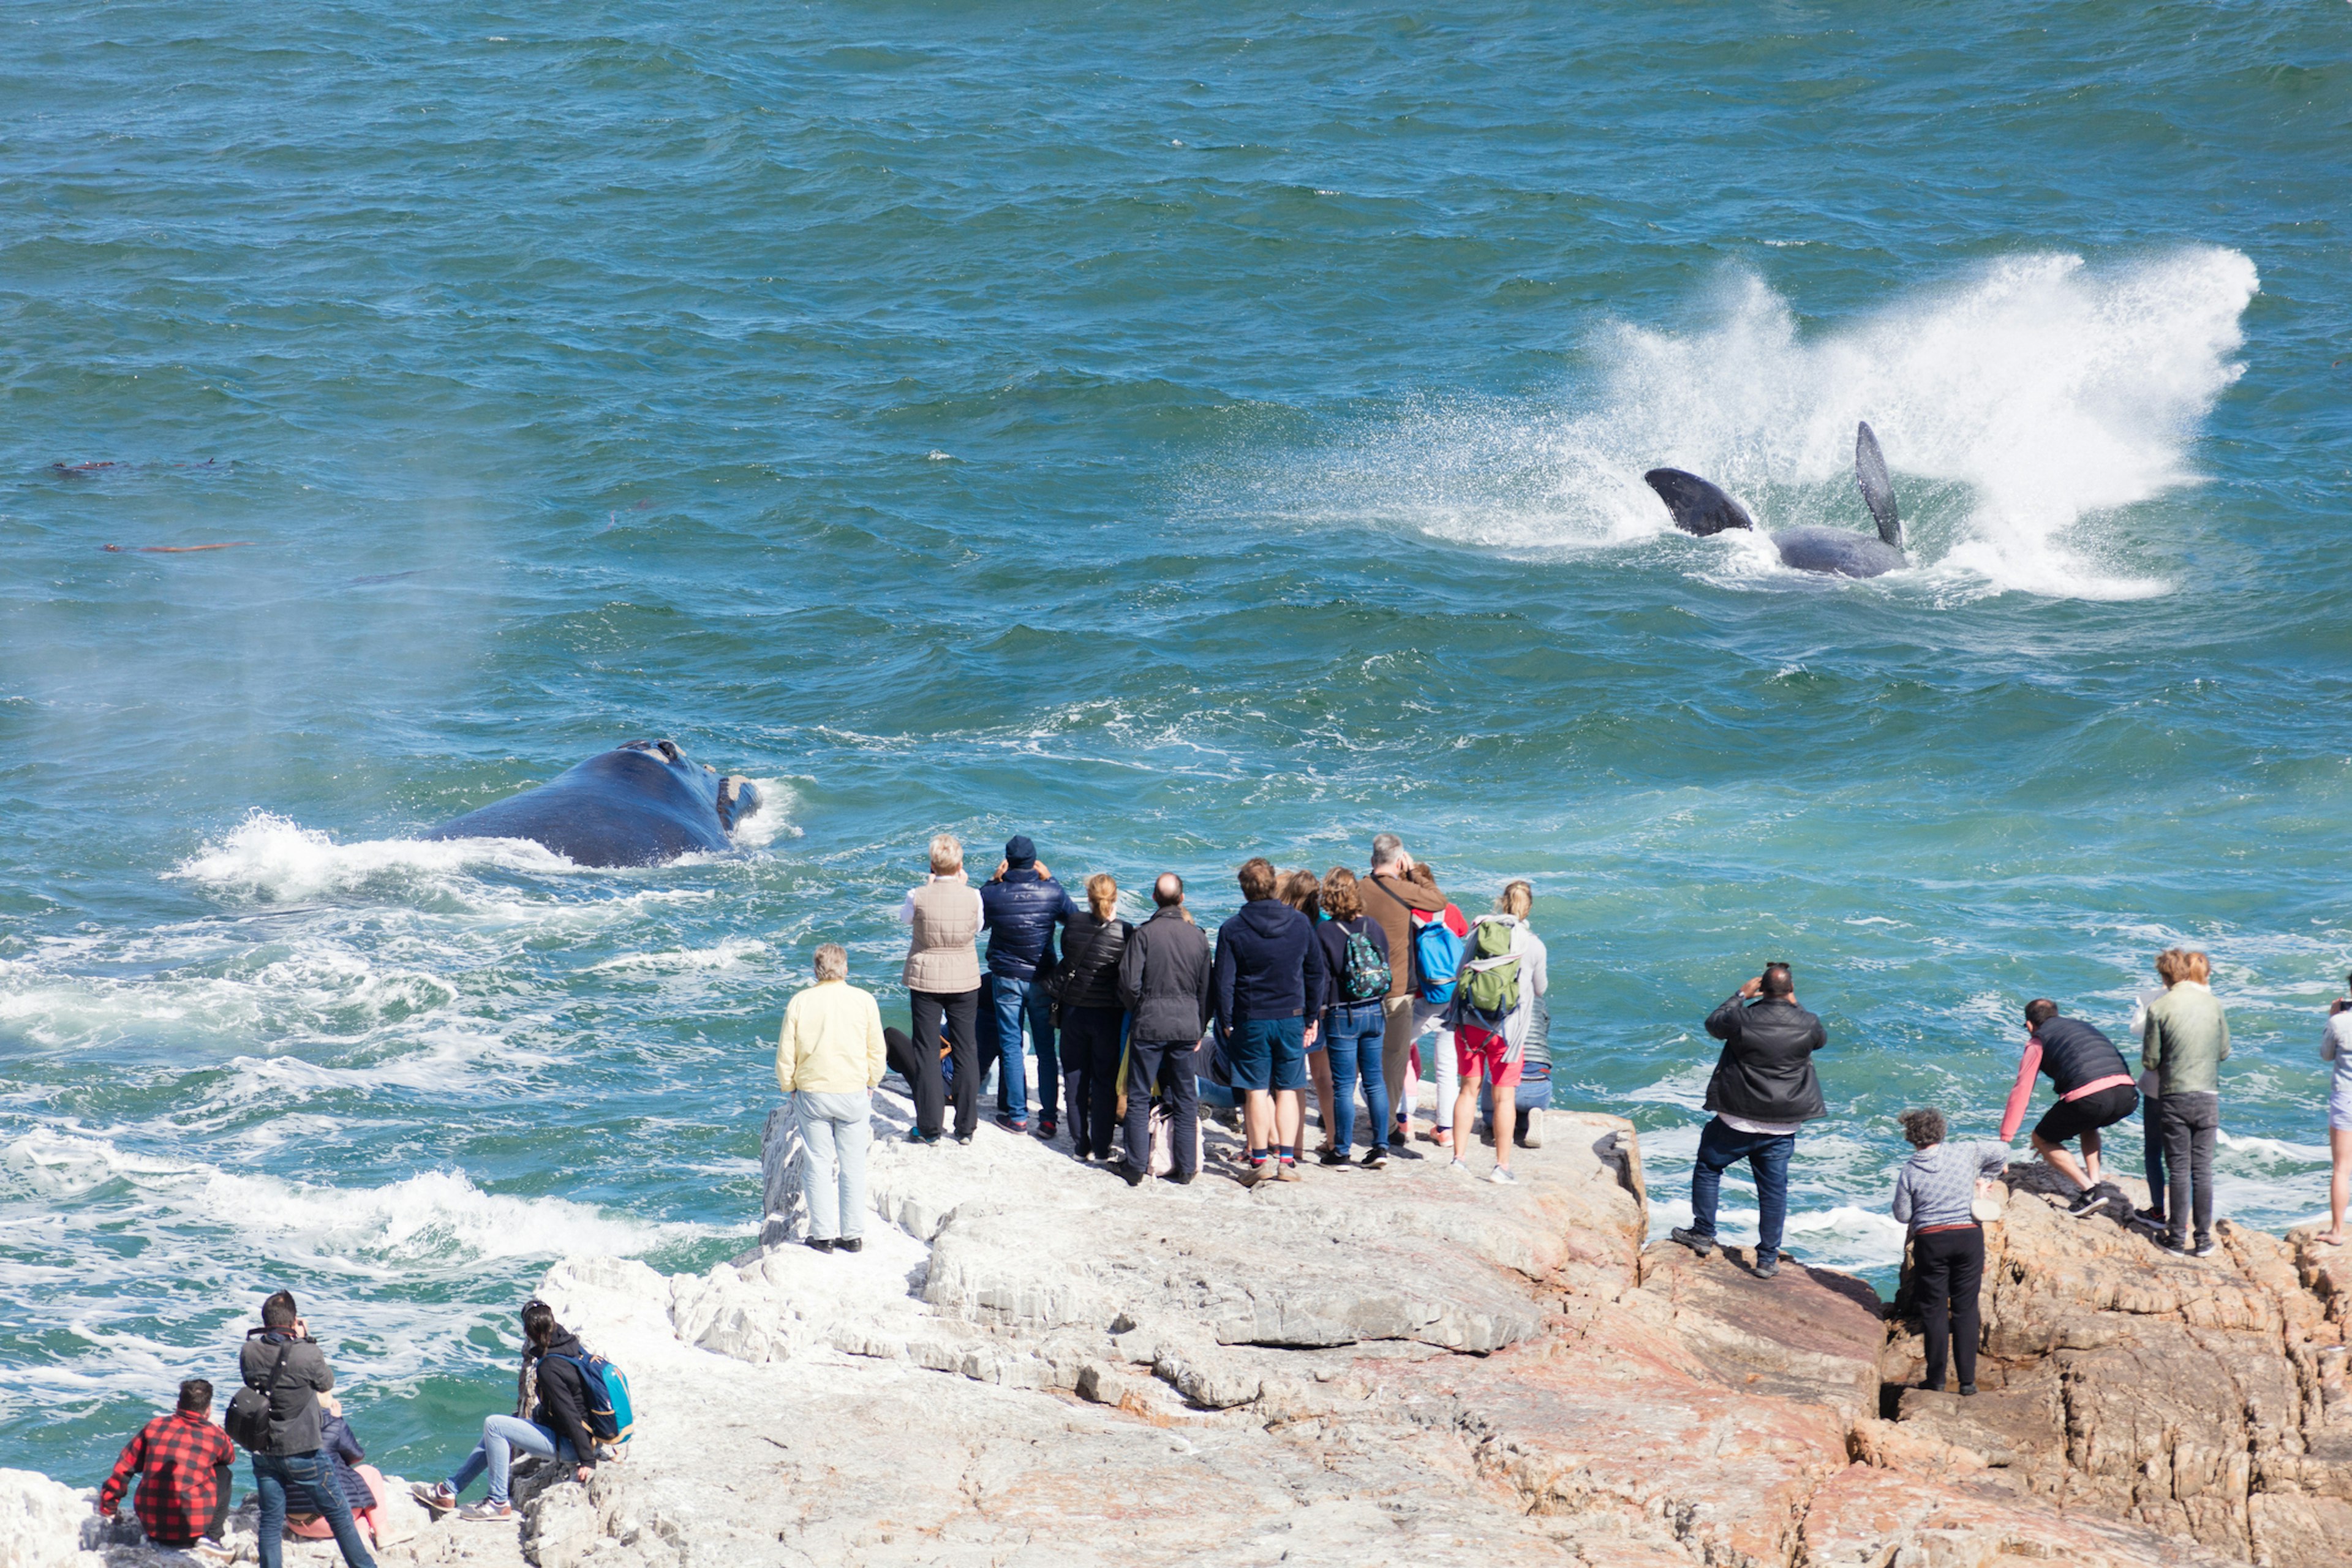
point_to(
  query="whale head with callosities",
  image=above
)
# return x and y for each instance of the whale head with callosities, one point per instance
(642, 804)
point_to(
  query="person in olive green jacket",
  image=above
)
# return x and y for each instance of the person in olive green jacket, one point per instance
(2184, 1042)
(829, 1056)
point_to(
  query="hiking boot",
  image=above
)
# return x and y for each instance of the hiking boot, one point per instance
(485, 1512)
(849, 1244)
(1701, 1245)
(1502, 1173)
(2087, 1202)
(1767, 1264)
(1532, 1138)
(819, 1243)
(437, 1498)
(1333, 1157)
(1375, 1158)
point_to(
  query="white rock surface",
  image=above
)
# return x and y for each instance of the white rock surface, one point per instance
(1031, 1363)
(41, 1522)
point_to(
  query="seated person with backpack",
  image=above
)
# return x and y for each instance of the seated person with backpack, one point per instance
(556, 1390)
(183, 1462)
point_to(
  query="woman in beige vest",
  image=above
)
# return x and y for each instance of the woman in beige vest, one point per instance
(942, 977)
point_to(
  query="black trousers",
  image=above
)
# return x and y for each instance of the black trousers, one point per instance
(922, 1076)
(960, 1011)
(2191, 1123)
(1169, 1066)
(1090, 1062)
(1947, 1272)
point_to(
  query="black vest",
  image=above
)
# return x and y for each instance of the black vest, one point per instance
(2074, 1053)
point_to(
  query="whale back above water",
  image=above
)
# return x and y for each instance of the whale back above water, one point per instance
(1701, 507)
(638, 805)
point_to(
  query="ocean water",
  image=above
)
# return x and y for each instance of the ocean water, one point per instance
(1177, 433)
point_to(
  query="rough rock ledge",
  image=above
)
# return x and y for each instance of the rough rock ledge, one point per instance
(1031, 1363)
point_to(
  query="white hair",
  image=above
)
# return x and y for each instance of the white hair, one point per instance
(832, 962)
(947, 853)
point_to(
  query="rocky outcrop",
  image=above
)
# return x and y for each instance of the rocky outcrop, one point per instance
(1031, 1362)
(2202, 1398)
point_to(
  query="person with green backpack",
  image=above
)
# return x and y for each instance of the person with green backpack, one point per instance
(1356, 957)
(1503, 971)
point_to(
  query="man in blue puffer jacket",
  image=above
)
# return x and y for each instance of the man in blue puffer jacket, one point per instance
(1020, 907)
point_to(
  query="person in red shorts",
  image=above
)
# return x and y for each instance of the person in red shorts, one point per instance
(183, 1462)
(1502, 973)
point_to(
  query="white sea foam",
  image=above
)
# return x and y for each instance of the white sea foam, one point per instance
(727, 954)
(2020, 408)
(268, 857)
(774, 820)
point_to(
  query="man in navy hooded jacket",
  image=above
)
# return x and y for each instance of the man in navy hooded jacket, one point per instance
(1020, 907)
(1269, 989)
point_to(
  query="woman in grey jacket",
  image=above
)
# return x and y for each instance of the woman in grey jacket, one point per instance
(1934, 1194)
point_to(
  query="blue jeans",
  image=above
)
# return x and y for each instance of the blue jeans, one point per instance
(834, 1132)
(501, 1434)
(314, 1476)
(1017, 1000)
(1766, 1154)
(1351, 1040)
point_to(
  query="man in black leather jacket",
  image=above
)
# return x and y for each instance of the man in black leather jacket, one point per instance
(1020, 907)
(1164, 979)
(1762, 1091)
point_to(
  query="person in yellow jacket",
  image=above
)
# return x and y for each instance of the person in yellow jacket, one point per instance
(828, 1058)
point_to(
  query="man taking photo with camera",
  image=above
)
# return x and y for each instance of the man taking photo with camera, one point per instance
(1762, 1091)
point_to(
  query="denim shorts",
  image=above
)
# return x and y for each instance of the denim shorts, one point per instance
(1269, 1053)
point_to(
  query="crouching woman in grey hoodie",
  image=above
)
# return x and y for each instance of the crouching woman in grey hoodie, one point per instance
(1934, 1194)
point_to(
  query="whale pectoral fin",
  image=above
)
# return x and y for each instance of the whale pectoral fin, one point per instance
(1877, 489)
(1698, 507)
(739, 797)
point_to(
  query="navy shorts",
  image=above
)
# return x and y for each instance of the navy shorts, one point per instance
(1269, 1053)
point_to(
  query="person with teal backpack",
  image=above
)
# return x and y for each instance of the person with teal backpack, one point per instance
(1503, 971)
(1356, 956)
(571, 1406)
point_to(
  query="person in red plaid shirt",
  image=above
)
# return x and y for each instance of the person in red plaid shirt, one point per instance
(183, 1461)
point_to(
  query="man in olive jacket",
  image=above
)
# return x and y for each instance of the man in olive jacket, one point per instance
(1163, 980)
(1762, 1091)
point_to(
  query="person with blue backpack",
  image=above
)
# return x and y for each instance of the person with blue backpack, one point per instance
(1355, 960)
(568, 1400)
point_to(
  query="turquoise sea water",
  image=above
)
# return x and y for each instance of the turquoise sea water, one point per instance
(1176, 432)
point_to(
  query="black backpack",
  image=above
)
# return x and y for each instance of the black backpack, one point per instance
(247, 1421)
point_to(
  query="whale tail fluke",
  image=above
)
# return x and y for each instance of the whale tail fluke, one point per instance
(1699, 507)
(1877, 491)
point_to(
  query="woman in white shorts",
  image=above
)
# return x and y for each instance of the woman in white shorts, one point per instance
(2336, 1046)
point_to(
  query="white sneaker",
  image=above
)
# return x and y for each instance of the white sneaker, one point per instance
(1461, 1165)
(1502, 1173)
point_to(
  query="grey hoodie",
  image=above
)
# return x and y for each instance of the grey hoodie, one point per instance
(1940, 1182)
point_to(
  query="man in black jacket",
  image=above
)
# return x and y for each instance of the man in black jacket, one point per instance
(1269, 991)
(1762, 1091)
(284, 1362)
(1164, 979)
(1020, 906)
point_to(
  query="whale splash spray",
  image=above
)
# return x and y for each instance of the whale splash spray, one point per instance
(2021, 409)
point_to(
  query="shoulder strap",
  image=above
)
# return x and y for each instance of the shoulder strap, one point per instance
(277, 1366)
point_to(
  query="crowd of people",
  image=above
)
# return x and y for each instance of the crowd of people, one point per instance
(1332, 985)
